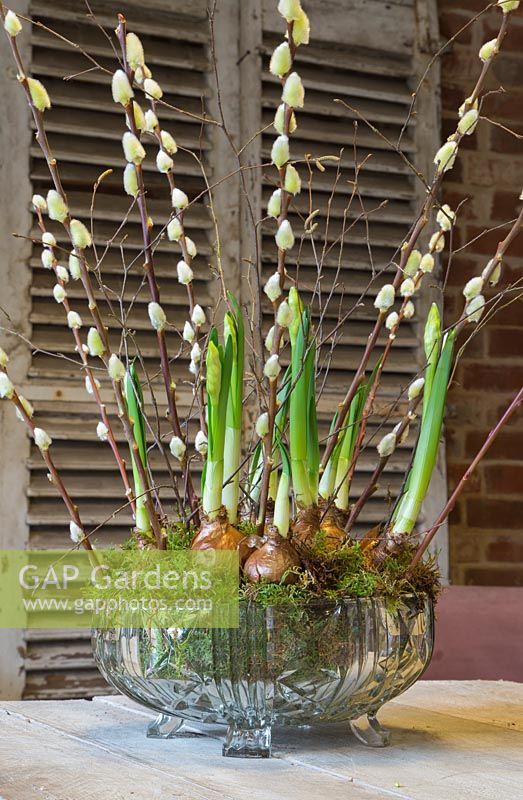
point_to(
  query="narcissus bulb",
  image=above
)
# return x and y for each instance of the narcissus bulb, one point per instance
(179, 199)
(164, 161)
(12, 24)
(116, 368)
(301, 29)
(174, 230)
(387, 445)
(279, 120)
(95, 343)
(102, 431)
(169, 143)
(280, 153)
(185, 273)
(201, 444)
(281, 60)
(177, 448)
(415, 388)
(488, 50)
(272, 368)
(75, 532)
(292, 180)
(80, 235)
(272, 288)
(385, 298)
(427, 263)
(157, 316)
(39, 95)
(121, 88)
(473, 287)
(39, 203)
(445, 218)
(293, 92)
(284, 315)
(59, 293)
(130, 180)
(446, 156)
(56, 206)
(74, 320)
(467, 124)
(285, 236)
(474, 309)
(134, 51)
(132, 148)
(274, 204)
(42, 439)
(290, 9)
(7, 389)
(262, 425)
(198, 316)
(152, 88)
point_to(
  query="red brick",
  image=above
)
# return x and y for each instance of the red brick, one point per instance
(490, 576)
(486, 241)
(504, 479)
(507, 70)
(504, 107)
(493, 514)
(490, 377)
(501, 141)
(505, 550)
(451, 23)
(505, 342)
(456, 470)
(513, 40)
(508, 445)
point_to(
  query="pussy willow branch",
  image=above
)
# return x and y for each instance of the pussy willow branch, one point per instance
(419, 226)
(41, 138)
(94, 385)
(511, 410)
(154, 291)
(55, 478)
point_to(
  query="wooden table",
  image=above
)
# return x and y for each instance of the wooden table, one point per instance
(450, 741)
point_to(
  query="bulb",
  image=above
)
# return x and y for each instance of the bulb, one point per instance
(446, 156)
(385, 298)
(185, 273)
(279, 120)
(272, 288)
(102, 431)
(56, 206)
(121, 88)
(134, 51)
(272, 367)
(80, 235)
(7, 389)
(152, 88)
(284, 315)
(39, 203)
(285, 236)
(198, 316)
(262, 425)
(293, 92)
(42, 439)
(133, 149)
(179, 199)
(74, 320)
(292, 180)
(157, 316)
(174, 230)
(415, 388)
(201, 444)
(188, 332)
(59, 293)
(177, 448)
(39, 95)
(75, 532)
(281, 60)
(12, 24)
(387, 445)
(472, 288)
(274, 204)
(95, 343)
(488, 50)
(280, 151)
(116, 368)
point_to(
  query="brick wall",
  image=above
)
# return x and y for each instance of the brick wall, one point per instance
(487, 525)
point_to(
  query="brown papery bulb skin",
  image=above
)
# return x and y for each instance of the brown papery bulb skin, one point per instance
(219, 534)
(309, 524)
(272, 560)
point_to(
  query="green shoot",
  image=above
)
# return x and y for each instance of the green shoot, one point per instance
(235, 334)
(134, 402)
(218, 377)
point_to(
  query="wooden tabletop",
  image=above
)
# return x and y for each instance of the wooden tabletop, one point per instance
(450, 741)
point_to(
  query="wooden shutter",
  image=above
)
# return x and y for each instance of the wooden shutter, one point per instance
(362, 52)
(85, 129)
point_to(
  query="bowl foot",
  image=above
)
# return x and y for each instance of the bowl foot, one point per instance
(369, 731)
(164, 727)
(243, 742)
